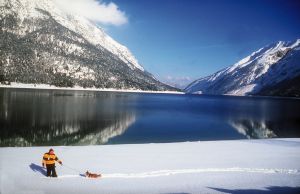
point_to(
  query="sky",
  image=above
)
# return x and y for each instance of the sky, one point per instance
(179, 41)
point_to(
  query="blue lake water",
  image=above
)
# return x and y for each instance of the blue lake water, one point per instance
(55, 117)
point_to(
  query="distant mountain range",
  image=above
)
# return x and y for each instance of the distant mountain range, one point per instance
(41, 44)
(272, 71)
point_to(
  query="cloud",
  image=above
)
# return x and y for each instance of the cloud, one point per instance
(97, 11)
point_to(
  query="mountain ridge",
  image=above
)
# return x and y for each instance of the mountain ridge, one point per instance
(43, 45)
(266, 67)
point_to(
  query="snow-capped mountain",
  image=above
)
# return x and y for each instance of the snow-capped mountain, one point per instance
(40, 43)
(261, 73)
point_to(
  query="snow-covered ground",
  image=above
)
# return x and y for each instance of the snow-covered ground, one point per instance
(51, 87)
(240, 166)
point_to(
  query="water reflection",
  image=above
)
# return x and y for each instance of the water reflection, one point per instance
(103, 135)
(253, 129)
(51, 117)
(29, 118)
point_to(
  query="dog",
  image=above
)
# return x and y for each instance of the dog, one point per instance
(92, 175)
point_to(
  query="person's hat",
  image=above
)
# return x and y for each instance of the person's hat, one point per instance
(51, 150)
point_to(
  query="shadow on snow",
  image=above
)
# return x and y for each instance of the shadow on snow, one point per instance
(37, 168)
(274, 189)
(40, 169)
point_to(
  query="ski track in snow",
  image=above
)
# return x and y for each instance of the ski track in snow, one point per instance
(191, 171)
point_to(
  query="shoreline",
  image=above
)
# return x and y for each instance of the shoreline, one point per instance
(249, 96)
(291, 139)
(78, 88)
(15, 85)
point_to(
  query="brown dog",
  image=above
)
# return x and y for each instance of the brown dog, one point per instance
(92, 175)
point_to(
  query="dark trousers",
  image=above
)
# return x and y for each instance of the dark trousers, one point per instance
(51, 170)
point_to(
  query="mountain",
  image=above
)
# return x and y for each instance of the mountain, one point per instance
(41, 44)
(272, 70)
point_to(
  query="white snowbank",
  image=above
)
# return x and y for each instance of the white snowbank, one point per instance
(190, 167)
(51, 87)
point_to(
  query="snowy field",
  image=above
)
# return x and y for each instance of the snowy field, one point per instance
(51, 87)
(240, 166)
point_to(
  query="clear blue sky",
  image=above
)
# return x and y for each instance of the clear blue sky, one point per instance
(194, 38)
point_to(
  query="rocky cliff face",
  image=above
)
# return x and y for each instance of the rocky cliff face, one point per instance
(41, 44)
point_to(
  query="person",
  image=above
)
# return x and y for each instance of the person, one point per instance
(49, 159)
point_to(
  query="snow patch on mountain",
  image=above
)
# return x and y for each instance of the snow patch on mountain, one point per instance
(27, 9)
(263, 68)
(76, 71)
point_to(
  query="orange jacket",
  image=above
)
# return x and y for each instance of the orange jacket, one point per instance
(50, 158)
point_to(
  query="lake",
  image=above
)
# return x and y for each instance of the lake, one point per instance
(30, 117)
